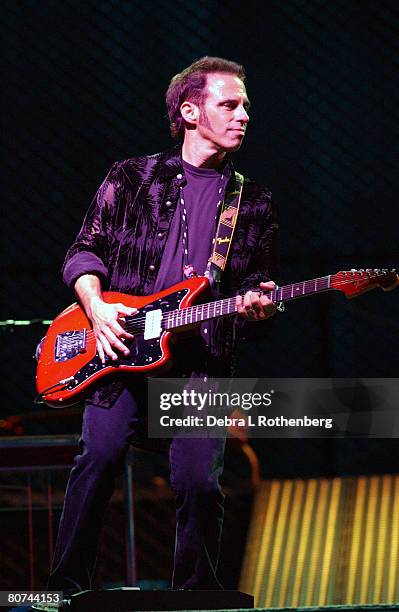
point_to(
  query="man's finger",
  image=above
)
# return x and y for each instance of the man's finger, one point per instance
(100, 351)
(113, 343)
(107, 346)
(248, 300)
(265, 302)
(121, 321)
(239, 304)
(122, 309)
(118, 330)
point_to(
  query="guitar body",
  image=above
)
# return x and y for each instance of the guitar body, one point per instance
(69, 366)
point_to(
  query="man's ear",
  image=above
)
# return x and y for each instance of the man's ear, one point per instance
(190, 112)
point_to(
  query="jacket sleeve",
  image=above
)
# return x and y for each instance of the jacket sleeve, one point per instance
(262, 266)
(90, 251)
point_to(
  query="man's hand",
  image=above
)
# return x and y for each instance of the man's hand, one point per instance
(255, 306)
(107, 320)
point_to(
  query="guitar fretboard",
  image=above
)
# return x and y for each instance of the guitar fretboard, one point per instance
(227, 306)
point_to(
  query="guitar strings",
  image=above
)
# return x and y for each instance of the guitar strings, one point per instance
(139, 322)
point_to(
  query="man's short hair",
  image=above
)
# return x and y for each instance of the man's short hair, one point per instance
(190, 85)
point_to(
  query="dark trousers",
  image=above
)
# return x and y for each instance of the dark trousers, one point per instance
(196, 465)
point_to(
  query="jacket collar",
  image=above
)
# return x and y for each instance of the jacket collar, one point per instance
(171, 165)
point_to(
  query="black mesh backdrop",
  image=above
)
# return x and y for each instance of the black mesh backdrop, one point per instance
(84, 85)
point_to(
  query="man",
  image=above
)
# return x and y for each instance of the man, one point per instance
(152, 218)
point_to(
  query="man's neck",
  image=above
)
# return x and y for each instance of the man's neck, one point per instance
(200, 156)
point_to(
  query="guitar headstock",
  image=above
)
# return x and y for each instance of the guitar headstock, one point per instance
(355, 282)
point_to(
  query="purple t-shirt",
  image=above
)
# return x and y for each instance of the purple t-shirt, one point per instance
(203, 192)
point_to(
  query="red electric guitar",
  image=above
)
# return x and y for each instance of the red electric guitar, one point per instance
(68, 363)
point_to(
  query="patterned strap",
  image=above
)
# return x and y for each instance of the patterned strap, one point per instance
(225, 229)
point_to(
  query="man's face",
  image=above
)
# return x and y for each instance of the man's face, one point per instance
(224, 113)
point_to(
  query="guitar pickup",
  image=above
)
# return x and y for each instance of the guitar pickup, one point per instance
(153, 324)
(69, 344)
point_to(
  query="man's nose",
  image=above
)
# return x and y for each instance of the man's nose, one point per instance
(242, 114)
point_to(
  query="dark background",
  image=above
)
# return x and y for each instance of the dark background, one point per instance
(84, 86)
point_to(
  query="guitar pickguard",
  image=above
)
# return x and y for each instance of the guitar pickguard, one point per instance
(142, 352)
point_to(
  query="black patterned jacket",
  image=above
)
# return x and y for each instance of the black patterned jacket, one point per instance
(124, 233)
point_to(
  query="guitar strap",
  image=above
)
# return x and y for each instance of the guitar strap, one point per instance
(225, 230)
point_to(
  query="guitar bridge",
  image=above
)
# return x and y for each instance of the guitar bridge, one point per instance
(69, 344)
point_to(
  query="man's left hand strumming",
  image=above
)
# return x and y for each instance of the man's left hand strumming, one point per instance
(256, 306)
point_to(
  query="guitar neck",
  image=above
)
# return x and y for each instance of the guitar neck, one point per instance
(227, 306)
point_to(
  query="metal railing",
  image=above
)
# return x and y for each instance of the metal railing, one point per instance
(22, 459)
